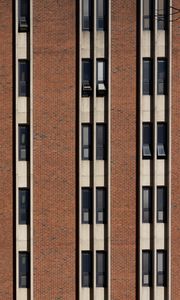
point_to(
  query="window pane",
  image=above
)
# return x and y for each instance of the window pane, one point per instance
(86, 205)
(147, 140)
(147, 76)
(86, 268)
(161, 268)
(23, 78)
(24, 270)
(24, 142)
(86, 141)
(161, 140)
(146, 205)
(101, 268)
(100, 141)
(24, 15)
(24, 206)
(101, 205)
(100, 15)
(162, 15)
(146, 267)
(147, 14)
(162, 77)
(86, 71)
(100, 71)
(161, 204)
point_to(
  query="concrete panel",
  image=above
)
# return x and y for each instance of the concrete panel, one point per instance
(100, 109)
(160, 108)
(145, 236)
(145, 293)
(99, 237)
(100, 44)
(85, 293)
(85, 44)
(145, 46)
(100, 293)
(85, 237)
(160, 236)
(160, 43)
(85, 109)
(160, 293)
(146, 108)
(23, 294)
(21, 45)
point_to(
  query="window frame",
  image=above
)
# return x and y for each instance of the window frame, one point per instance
(86, 272)
(144, 220)
(104, 17)
(23, 83)
(89, 145)
(162, 19)
(149, 17)
(27, 209)
(164, 82)
(84, 209)
(87, 84)
(150, 144)
(101, 148)
(147, 82)
(104, 209)
(26, 146)
(101, 85)
(164, 267)
(101, 273)
(23, 20)
(163, 144)
(89, 27)
(26, 254)
(164, 211)
(149, 272)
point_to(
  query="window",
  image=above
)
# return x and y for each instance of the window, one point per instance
(86, 205)
(101, 141)
(147, 204)
(101, 205)
(161, 204)
(24, 206)
(86, 15)
(147, 14)
(86, 77)
(147, 141)
(23, 78)
(101, 269)
(162, 15)
(161, 140)
(162, 76)
(23, 142)
(101, 77)
(146, 267)
(86, 141)
(101, 17)
(86, 269)
(161, 267)
(147, 76)
(23, 15)
(24, 270)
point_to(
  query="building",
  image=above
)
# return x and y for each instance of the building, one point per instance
(89, 151)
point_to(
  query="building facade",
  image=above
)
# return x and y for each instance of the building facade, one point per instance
(89, 152)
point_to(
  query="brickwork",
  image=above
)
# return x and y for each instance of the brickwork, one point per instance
(175, 154)
(6, 154)
(54, 150)
(123, 147)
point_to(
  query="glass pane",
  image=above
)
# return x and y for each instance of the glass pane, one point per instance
(146, 279)
(86, 71)
(100, 261)
(86, 138)
(161, 133)
(146, 197)
(146, 150)
(160, 216)
(145, 262)
(101, 71)
(161, 69)
(86, 8)
(160, 262)
(86, 261)
(147, 134)
(86, 153)
(86, 218)
(100, 217)
(100, 134)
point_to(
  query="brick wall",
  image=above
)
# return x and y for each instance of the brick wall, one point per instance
(175, 154)
(6, 155)
(123, 147)
(54, 151)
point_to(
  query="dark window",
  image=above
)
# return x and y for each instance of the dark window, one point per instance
(147, 76)
(86, 269)
(101, 269)
(101, 141)
(24, 270)
(161, 204)
(86, 77)
(162, 15)
(101, 202)
(161, 140)
(23, 15)
(23, 78)
(146, 268)
(147, 14)
(86, 205)
(147, 204)
(23, 142)
(162, 76)
(161, 267)
(24, 206)
(86, 15)
(101, 77)
(147, 141)
(86, 141)
(101, 16)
